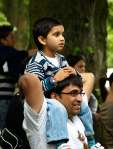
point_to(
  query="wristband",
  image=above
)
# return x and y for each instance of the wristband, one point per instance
(52, 81)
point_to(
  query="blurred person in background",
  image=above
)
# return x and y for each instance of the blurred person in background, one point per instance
(104, 123)
(11, 66)
(79, 63)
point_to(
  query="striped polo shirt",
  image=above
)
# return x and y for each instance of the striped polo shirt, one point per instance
(44, 69)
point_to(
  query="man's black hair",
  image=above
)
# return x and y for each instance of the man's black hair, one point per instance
(42, 27)
(5, 30)
(71, 80)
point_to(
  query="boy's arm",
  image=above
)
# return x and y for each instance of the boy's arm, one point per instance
(32, 89)
(38, 70)
(62, 73)
(49, 82)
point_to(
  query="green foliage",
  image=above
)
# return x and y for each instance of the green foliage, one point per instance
(89, 50)
(76, 50)
(1, 4)
(110, 34)
(26, 2)
(3, 19)
(86, 51)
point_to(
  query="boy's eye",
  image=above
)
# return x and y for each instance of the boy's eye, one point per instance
(56, 34)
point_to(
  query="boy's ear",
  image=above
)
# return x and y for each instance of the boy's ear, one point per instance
(42, 40)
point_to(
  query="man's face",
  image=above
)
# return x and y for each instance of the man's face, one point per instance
(9, 40)
(55, 39)
(71, 97)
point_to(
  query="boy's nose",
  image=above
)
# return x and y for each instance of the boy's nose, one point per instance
(62, 37)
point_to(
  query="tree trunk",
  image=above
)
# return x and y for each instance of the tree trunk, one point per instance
(17, 13)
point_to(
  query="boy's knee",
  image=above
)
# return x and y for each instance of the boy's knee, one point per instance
(55, 105)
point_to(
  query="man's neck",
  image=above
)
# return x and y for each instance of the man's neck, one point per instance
(70, 117)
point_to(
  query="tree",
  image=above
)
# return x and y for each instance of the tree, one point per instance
(110, 34)
(17, 13)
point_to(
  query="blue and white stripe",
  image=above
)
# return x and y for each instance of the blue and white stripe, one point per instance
(44, 69)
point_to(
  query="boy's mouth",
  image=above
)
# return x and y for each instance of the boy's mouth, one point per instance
(61, 44)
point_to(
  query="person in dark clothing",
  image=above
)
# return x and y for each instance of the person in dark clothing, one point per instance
(10, 68)
(14, 123)
(12, 65)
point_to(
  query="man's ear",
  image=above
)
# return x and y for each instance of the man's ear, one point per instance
(42, 40)
(53, 95)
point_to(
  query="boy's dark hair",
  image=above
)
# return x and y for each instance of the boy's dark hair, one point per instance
(71, 80)
(73, 59)
(5, 30)
(42, 27)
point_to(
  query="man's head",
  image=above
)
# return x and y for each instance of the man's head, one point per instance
(48, 33)
(69, 93)
(7, 35)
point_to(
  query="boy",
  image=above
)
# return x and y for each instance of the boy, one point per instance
(50, 66)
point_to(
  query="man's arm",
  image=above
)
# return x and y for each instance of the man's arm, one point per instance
(32, 89)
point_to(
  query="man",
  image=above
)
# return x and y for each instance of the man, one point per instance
(68, 95)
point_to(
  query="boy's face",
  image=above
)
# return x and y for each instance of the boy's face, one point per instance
(55, 39)
(71, 98)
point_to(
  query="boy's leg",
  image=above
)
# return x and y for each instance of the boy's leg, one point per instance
(57, 132)
(86, 117)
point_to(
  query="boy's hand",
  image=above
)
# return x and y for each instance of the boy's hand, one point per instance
(64, 73)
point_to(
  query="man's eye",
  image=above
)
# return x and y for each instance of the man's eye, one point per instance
(74, 93)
